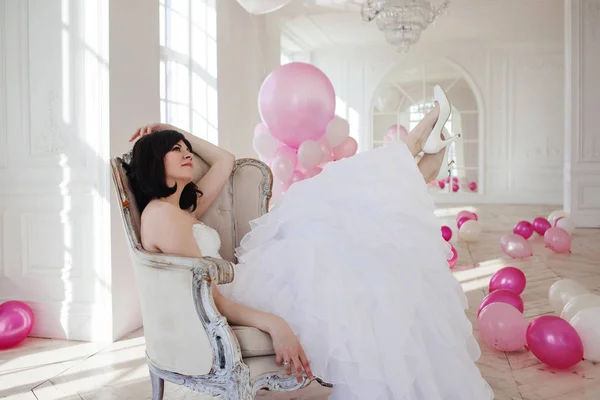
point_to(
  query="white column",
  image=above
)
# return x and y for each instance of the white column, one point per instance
(134, 100)
(582, 119)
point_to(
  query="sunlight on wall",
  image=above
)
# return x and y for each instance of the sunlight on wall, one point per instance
(68, 244)
(90, 50)
(188, 67)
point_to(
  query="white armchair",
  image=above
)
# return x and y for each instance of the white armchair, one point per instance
(188, 341)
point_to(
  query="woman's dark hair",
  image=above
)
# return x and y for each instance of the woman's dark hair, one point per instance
(146, 170)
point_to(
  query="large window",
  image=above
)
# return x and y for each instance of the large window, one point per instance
(188, 66)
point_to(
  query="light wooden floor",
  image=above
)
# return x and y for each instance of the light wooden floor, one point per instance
(50, 369)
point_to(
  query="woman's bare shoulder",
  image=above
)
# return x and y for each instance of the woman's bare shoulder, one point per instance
(161, 222)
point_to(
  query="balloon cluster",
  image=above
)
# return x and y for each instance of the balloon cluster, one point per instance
(299, 132)
(456, 184)
(580, 310)
(16, 322)
(556, 230)
(560, 342)
(469, 230)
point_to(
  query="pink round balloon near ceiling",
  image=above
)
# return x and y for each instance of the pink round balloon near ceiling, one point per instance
(297, 102)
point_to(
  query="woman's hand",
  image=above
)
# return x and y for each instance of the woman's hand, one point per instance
(148, 129)
(288, 350)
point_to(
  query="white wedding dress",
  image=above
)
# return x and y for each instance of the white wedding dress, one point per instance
(354, 261)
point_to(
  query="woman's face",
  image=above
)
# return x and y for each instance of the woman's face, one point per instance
(179, 167)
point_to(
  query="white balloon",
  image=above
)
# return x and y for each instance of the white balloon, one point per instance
(561, 292)
(388, 100)
(566, 224)
(587, 324)
(554, 215)
(258, 7)
(469, 230)
(309, 154)
(337, 131)
(578, 303)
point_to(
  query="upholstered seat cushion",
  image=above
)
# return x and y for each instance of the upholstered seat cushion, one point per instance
(253, 342)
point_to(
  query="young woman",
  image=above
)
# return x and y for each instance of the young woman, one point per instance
(348, 273)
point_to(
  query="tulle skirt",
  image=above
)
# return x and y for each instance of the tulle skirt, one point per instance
(354, 261)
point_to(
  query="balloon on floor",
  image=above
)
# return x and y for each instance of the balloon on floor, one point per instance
(516, 246)
(509, 278)
(299, 133)
(554, 342)
(16, 322)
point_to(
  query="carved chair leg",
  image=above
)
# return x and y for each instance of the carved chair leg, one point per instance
(158, 386)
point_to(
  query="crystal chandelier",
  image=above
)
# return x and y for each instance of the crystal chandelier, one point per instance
(402, 21)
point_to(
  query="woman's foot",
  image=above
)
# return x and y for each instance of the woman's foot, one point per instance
(417, 138)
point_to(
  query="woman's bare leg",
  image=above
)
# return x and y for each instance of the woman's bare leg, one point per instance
(430, 164)
(416, 139)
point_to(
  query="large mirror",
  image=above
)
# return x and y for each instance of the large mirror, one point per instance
(406, 94)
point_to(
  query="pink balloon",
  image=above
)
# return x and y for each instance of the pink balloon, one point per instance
(288, 153)
(541, 225)
(455, 187)
(465, 213)
(16, 322)
(446, 233)
(462, 221)
(523, 228)
(392, 131)
(264, 144)
(442, 184)
(515, 246)
(309, 154)
(347, 149)
(297, 176)
(402, 131)
(455, 179)
(473, 186)
(502, 327)
(558, 240)
(296, 102)
(284, 164)
(554, 342)
(312, 172)
(452, 261)
(502, 296)
(327, 153)
(508, 278)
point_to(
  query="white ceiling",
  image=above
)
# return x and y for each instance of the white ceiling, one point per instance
(313, 25)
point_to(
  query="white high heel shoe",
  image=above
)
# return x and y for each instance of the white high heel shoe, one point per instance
(434, 142)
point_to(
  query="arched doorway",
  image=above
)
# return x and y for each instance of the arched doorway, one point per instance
(405, 95)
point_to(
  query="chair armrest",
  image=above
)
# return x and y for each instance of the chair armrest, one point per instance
(218, 270)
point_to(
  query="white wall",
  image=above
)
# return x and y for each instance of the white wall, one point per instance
(582, 144)
(54, 127)
(248, 51)
(521, 90)
(69, 103)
